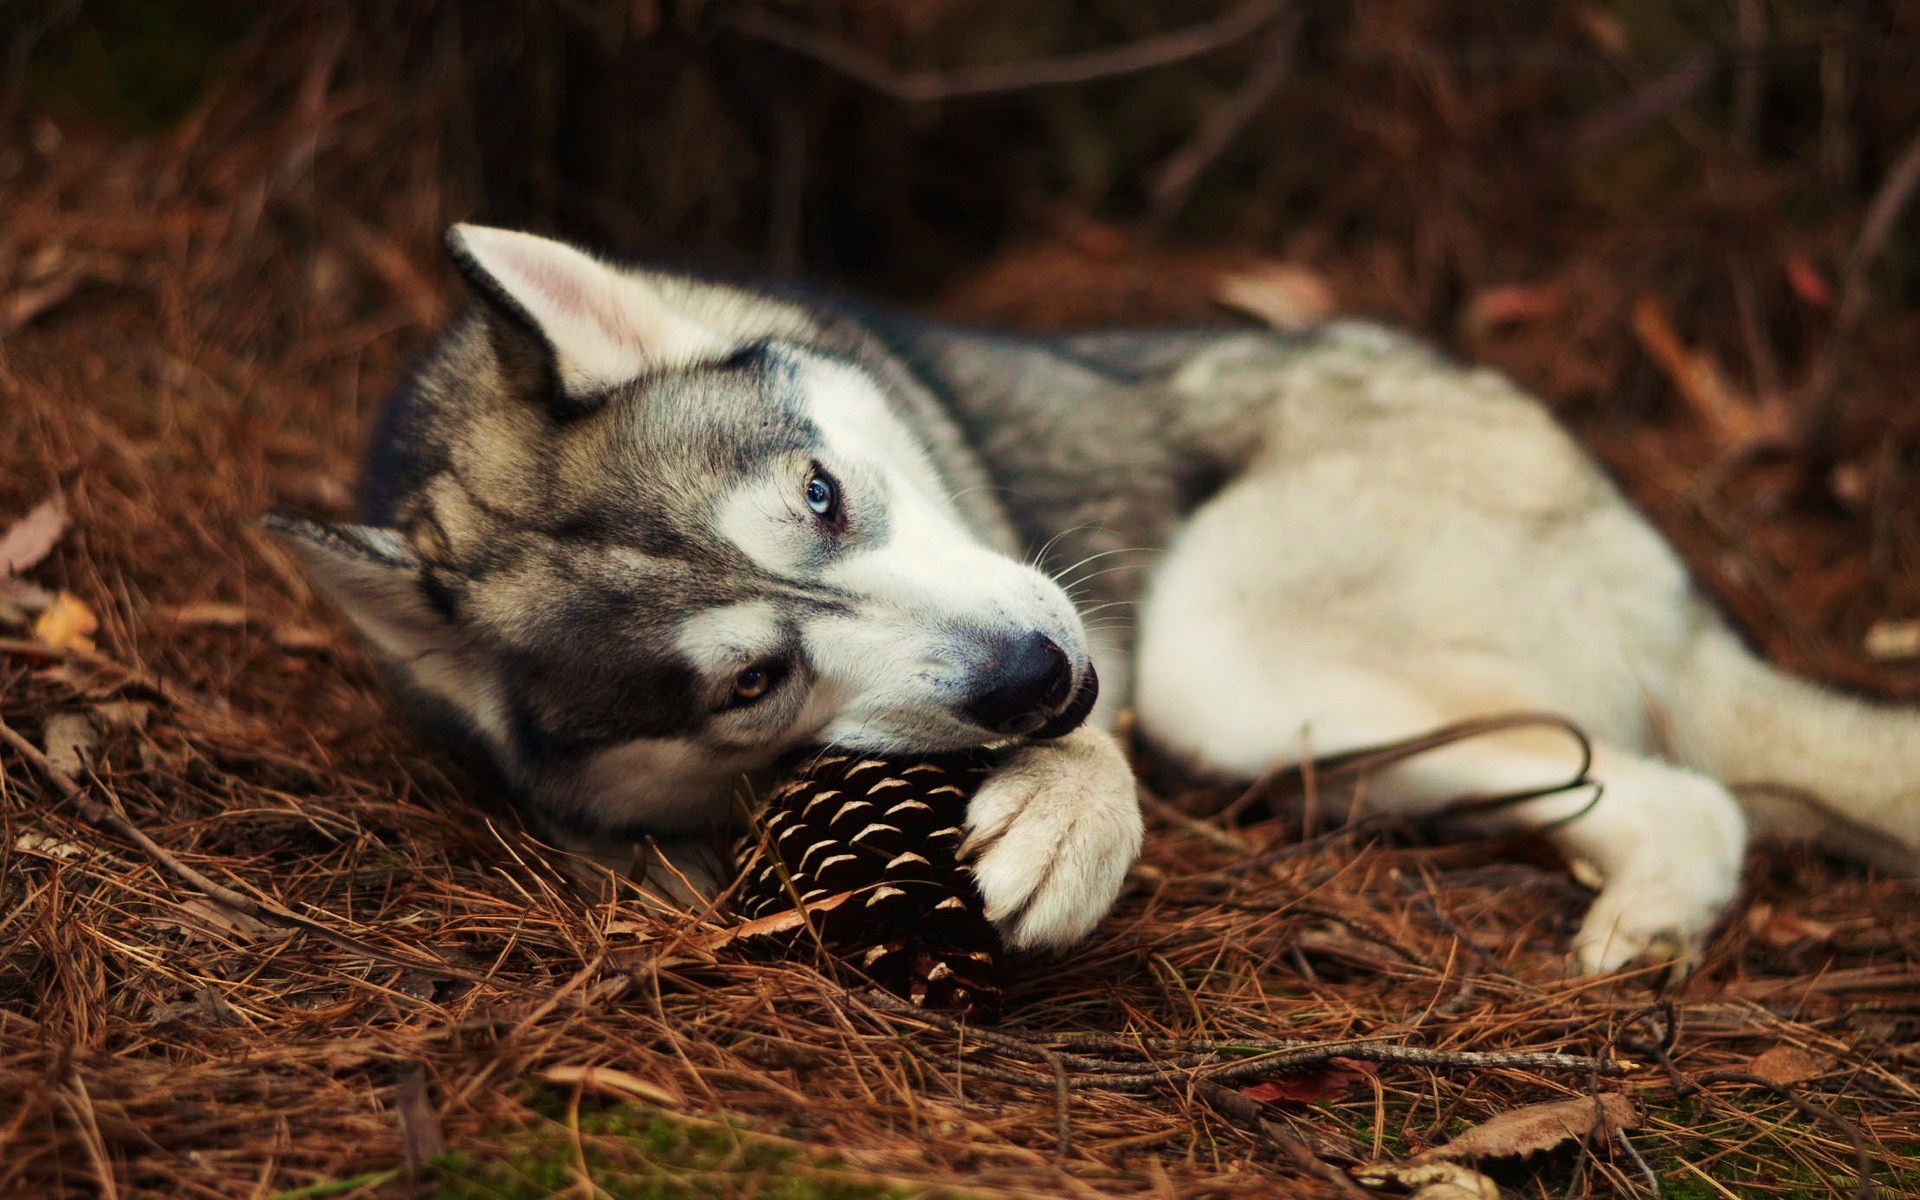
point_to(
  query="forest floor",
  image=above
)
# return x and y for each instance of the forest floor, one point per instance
(255, 941)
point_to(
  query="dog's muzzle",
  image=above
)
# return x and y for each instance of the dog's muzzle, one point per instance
(1033, 692)
(1075, 713)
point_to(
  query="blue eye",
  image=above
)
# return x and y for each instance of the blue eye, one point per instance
(823, 496)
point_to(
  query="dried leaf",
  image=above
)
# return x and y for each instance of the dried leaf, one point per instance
(1324, 1081)
(1890, 640)
(45, 845)
(609, 1079)
(33, 536)
(69, 741)
(1279, 295)
(1786, 1064)
(1539, 1127)
(66, 624)
(1433, 1181)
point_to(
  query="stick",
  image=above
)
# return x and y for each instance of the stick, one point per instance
(1822, 428)
(1174, 183)
(921, 87)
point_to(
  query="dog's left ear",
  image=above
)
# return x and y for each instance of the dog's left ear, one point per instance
(372, 576)
(593, 324)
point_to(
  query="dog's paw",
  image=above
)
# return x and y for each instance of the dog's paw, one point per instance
(1646, 921)
(1050, 837)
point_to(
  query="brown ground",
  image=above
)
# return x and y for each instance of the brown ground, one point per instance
(198, 324)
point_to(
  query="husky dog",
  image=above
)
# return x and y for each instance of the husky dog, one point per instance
(635, 533)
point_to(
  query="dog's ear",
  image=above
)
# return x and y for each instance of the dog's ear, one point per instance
(373, 577)
(572, 325)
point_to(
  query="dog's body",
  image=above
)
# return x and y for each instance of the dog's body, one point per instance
(636, 534)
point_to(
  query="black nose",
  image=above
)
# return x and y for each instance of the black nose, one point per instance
(1027, 682)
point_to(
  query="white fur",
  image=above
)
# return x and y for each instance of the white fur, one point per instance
(729, 637)
(1369, 582)
(1414, 545)
(1051, 835)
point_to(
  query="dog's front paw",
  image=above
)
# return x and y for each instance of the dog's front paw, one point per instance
(1646, 918)
(1051, 835)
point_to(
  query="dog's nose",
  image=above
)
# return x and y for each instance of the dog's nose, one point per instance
(1030, 678)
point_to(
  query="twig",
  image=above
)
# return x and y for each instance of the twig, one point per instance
(1358, 763)
(921, 87)
(1229, 1060)
(1821, 431)
(1247, 1113)
(1639, 1162)
(1651, 101)
(1174, 183)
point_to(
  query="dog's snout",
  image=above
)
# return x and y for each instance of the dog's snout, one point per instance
(1029, 679)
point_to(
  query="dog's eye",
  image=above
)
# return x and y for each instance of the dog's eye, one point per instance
(754, 682)
(823, 496)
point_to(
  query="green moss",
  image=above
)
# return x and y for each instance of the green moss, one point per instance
(637, 1153)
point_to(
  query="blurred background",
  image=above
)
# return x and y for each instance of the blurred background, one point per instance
(1687, 223)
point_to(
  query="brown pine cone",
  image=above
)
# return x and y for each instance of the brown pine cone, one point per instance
(869, 845)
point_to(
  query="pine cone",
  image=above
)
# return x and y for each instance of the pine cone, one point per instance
(882, 835)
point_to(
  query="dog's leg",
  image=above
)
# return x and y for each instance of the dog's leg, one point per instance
(1250, 659)
(1051, 835)
(1667, 841)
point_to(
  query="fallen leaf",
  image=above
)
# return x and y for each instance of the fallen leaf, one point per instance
(609, 1079)
(1279, 295)
(1786, 1064)
(69, 741)
(1889, 640)
(33, 536)
(45, 845)
(215, 613)
(1326, 1081)
(1431, 1181)
(1537, 1128)
(66, 624)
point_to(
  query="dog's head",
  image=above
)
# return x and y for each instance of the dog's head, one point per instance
(638, 552)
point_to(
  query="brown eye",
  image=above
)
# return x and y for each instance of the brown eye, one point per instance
(751, 684)
(755, 682)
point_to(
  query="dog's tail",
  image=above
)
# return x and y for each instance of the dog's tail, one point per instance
(1807, 760)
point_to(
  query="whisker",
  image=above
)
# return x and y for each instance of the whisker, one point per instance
(1040, 555)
